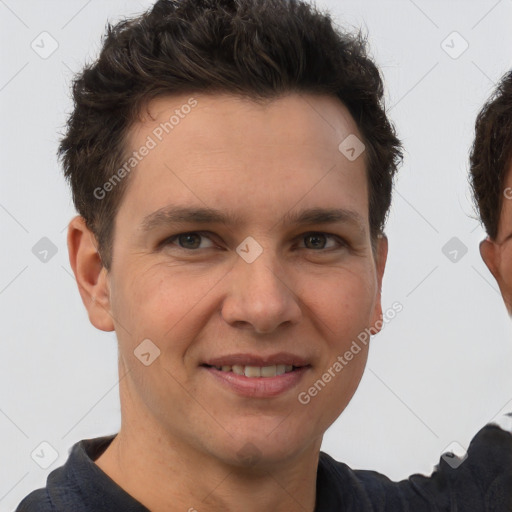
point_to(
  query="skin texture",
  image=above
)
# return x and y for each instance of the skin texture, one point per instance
(182, 432)
(497, 254)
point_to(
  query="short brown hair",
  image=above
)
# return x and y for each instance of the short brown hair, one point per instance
(491, 154)
(260, 49)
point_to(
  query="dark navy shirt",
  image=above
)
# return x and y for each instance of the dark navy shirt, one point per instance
(481, 483)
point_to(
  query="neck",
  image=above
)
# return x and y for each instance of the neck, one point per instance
(164, 473)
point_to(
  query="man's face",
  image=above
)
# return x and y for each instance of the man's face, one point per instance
(209, 299)
(497, 254)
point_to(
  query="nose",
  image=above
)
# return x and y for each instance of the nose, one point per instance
(260, 296)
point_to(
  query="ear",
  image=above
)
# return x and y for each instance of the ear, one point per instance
(490, 254)
(381, 255)
(91, 276)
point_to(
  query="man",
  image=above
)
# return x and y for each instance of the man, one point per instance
(232, 165)
(491, 181)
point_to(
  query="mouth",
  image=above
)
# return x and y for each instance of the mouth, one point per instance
(255, 376)
(256, 371)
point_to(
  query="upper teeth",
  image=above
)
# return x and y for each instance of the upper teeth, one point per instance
(257, 371)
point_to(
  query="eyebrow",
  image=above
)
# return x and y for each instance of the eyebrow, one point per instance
(198, 215)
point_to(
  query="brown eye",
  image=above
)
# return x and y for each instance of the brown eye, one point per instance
(316, 241)
(188, 241)
(319, 241)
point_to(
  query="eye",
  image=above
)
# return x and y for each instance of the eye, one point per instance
(191, 240)
(317, 240)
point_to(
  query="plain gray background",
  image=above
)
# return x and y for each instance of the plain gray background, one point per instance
(436, 374)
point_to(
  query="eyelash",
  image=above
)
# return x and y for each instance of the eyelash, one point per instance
(342, 243)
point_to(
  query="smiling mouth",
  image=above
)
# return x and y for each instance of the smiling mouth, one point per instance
(257, 371)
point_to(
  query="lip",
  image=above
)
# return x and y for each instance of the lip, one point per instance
(258, 360)
(258, 387)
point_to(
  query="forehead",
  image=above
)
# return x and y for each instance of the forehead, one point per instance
(294, 116)
(232, 151)
(214, 122)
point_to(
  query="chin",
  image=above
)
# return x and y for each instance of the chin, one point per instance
(261, 449)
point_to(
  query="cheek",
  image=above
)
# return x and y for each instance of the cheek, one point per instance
(161, 302)
(346, 308)
(343, 301)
